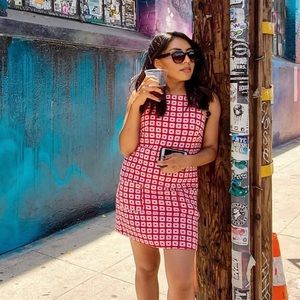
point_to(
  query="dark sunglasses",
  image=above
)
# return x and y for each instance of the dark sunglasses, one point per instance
(178, 56)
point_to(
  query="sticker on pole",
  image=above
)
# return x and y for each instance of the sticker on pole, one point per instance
(239, 235)
(239, 211)
(239, 118)
(239, 178)
(240, 147)
(242, 263)
(239, 294)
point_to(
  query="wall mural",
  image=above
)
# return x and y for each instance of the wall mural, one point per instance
(61, 109)
(286, 106)
(298, 32)
(279, 20)
(3, 7)
(173, 15)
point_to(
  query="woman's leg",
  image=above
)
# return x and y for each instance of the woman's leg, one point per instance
(180, 265)
(147, 261)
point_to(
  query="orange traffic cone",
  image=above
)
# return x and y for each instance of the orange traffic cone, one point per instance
(279, 285)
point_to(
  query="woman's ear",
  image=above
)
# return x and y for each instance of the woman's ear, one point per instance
(157, 64)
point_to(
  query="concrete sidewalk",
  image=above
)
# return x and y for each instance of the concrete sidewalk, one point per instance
(91, 261)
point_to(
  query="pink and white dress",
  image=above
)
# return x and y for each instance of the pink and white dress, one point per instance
(154, 208)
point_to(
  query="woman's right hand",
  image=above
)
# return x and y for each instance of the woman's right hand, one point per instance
(148, 86)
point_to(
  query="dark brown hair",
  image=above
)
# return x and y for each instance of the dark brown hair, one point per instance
(197, 95)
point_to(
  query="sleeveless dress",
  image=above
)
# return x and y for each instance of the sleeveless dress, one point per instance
(154, 208)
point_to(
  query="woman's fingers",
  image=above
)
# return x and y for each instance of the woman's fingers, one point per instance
(149, 89)
(161, 163)
(151, 92)
(171, 164)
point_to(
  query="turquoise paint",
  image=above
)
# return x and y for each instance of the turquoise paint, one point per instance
(3, 7)
(290, 39)
(61, 109)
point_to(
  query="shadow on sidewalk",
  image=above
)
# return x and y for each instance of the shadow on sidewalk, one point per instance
(72, 245)
(295, 262)
(281, 149)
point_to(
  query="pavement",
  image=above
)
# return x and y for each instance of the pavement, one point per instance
(91, 261)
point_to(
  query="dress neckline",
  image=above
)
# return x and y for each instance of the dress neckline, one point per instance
(180, 95)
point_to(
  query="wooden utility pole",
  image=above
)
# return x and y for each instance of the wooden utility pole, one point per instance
(211, 31)
(261, 29)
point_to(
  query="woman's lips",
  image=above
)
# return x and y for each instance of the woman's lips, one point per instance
(186, 70)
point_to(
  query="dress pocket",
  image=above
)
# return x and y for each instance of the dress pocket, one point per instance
(130, 197)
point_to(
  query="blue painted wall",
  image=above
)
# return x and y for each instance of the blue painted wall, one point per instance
(61, 108)
(286, 107)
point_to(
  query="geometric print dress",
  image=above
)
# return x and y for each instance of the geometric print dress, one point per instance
(153, 208)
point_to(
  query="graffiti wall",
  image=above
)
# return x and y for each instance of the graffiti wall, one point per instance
(290, 29)
(286, 106)
(167, 15)
(61, 109)
(298, 32)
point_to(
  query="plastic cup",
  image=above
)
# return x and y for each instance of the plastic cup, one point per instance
(159, 74)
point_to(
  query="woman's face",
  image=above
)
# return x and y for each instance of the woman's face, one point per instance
(177, 71)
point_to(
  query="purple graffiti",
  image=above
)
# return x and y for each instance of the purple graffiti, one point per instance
(183, 7)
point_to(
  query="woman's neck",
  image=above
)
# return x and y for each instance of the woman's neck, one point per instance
(177, 88)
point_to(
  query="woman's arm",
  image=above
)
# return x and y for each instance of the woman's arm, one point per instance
(130, 133)
(178, 162)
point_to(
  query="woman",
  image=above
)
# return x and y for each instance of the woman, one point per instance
(156, 203)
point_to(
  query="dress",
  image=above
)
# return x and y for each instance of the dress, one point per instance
(154, 208)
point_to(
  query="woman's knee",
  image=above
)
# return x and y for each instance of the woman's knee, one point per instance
(147, 259)
(181, 283)
(147, 269)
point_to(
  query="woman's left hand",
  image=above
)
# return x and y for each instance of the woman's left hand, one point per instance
(173, 163)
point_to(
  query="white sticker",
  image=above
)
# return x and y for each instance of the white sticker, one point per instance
(239, 235)
(237, 274)
(239, 118)
(240, 147)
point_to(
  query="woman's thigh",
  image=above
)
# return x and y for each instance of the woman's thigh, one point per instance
(180, 266)
(146, 258)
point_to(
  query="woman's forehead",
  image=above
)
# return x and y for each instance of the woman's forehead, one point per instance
(178, 43)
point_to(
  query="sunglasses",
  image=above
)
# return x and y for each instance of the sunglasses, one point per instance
(178, 56)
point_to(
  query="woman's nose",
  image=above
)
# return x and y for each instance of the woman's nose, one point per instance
(186, 59)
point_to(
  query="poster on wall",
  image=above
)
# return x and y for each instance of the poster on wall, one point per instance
(15, 3)
(129, 17)
(92, 11)
(41, 4)
(112, 12)
(66, 7)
